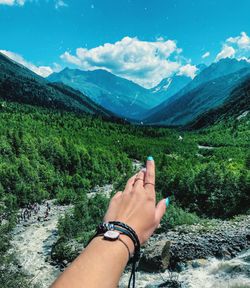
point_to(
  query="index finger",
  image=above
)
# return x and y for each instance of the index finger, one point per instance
(150, 174)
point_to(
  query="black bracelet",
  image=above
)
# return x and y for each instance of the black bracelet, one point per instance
(132, 234)
(126, 230)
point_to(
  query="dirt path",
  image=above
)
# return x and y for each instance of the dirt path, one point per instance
(32, 241)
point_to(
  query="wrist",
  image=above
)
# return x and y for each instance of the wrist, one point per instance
(126, 239)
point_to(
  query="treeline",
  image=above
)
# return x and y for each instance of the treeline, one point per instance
(48, 154)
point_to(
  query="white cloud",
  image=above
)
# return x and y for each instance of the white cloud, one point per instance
(236, 47)
(143, 62)
(43, 71)
(242, 41)
(60, 4)
(12, 2)
(188, 70)
(226, 52)
(205, 55)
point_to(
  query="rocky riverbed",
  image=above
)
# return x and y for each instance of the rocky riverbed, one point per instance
(32, 243)
(207, 255)
(214, 252)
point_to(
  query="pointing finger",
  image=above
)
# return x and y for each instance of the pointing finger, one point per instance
(150, 174)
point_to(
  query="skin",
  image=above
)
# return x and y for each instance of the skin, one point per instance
(102, 262)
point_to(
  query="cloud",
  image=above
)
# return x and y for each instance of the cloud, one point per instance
(188, 70)
(43, 71)
(12, 2)
(143, 62)
(226, 52)
(242, 41)
(236, 47)
(59, 4)
(205, 55)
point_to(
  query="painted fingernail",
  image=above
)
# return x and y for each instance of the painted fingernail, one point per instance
(167, 201)
(150, 158)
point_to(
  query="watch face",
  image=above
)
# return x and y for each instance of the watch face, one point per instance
(111, 235)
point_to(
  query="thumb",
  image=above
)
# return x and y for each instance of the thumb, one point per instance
(160, 211)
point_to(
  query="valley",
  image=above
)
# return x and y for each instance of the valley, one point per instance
(60, 146)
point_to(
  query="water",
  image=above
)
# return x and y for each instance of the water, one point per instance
(234, 273)
(211, 273)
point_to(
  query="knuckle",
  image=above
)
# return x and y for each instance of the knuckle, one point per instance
(150, 198)
(151, 174)
(131, 180)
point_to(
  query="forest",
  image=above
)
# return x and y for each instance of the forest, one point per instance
(48, 154)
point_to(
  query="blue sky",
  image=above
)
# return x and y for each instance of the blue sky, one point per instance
(142, 40)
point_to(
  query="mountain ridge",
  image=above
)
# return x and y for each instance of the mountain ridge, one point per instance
(237, 106)
(19, 84)
(199, 88)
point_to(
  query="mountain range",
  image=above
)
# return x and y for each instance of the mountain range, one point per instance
(175, 101)
(207, 90)
(121, 96)
(19, 84)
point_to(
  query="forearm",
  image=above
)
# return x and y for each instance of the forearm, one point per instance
(100, 265)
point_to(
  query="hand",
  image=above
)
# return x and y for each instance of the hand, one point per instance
(136, 205)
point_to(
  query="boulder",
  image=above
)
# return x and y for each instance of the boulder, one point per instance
(155, 257)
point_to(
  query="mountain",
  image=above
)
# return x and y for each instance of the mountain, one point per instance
(207, 90)
(19, 84)
(237, 106)
(170, 86)
(116, 94)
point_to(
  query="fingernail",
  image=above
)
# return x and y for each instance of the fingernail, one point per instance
(150, 158)
(167, 201)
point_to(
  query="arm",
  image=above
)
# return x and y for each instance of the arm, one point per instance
(102, 262)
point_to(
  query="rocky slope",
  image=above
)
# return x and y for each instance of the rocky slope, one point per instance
(202, 246)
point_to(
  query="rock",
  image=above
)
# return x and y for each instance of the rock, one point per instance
(155, 257)
(166, 284)
(220, 239)
(198, 263)
(65, 262)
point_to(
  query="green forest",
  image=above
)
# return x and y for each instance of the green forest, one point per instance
(48, 154)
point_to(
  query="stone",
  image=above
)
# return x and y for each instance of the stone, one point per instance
(166, 284)
(155, 257)
(199, 263)
(65, 262)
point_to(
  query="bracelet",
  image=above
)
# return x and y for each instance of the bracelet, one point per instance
(130, 255)
(111, 231)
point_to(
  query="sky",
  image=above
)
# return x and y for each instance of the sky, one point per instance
(141, 40)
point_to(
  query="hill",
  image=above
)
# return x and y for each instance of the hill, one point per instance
(235, 108)
(21, 85)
